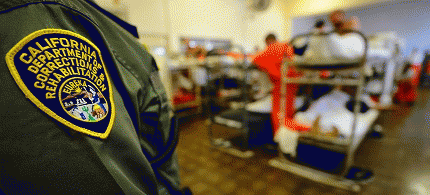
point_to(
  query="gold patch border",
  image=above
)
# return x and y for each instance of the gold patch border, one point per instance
(11, 65)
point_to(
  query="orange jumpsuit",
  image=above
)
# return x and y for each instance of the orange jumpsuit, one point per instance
(270, 60)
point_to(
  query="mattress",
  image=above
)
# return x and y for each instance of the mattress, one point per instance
(334, 113)
(264, 105)
(332, 51)
(374, 87)
(379, 53)
(383, 45)
(259, 125)
(183, 62)
(199, 74)
(332, 108)
(222, 60)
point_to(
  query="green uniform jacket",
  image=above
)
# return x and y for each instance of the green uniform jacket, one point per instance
(41, 154)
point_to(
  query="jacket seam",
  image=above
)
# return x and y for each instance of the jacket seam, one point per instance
(72, 7)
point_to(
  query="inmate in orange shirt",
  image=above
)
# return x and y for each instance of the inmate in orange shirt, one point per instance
(270, 60)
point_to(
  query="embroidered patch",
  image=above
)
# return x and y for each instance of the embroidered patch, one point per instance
(64, 75)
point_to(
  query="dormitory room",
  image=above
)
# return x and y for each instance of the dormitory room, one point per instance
(326, 110)
(265, 97)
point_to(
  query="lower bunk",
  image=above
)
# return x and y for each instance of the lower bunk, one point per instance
(322, 153)
(238, 131)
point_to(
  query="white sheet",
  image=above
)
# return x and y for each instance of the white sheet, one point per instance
(264, 105)
(342, 48)
(222, 60)
(288, 139)
(374, 87)
(347, 47)
(183, 62)
(333, 112)
(185, 82)
(383, 45)
(384, 53)
(228, 60)
(333, 49)
(378, 52)
(199, 75)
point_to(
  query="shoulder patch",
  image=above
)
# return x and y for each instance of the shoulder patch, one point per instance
(64, 75)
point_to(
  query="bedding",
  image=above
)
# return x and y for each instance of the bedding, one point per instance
(334, 112)
(264, 105)
(332, 51)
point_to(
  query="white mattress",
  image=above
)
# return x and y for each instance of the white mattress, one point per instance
(374, 87)
(222, 60)
(264, 105)
(199, 75)
(288, 139)
(179, 63)
(379, 53)
(331, 108)
(343, 48)
(333, 112)
(333, 49)
(383, 44)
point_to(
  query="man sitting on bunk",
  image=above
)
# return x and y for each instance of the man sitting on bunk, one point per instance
(270, 60)
(342, 24)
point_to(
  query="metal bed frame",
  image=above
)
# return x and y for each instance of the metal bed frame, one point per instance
(180, 109)
(244, 129)
(348, 146)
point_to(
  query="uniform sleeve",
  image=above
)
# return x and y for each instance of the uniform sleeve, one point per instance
(39, 154)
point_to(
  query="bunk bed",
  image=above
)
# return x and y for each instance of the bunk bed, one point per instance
(339, 121)
(225, 74)
(245, 124)
(384, 62)
(186, 92)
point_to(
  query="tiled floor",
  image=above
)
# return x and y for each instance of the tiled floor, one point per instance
(400, 161)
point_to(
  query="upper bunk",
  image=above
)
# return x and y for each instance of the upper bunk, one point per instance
(329, 51)
(334, 51)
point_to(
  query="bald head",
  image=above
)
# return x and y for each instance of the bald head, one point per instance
(338, 18)
(270, 38)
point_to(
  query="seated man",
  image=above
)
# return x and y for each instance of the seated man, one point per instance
(270, 60)
(341, 24)
(340, 45)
